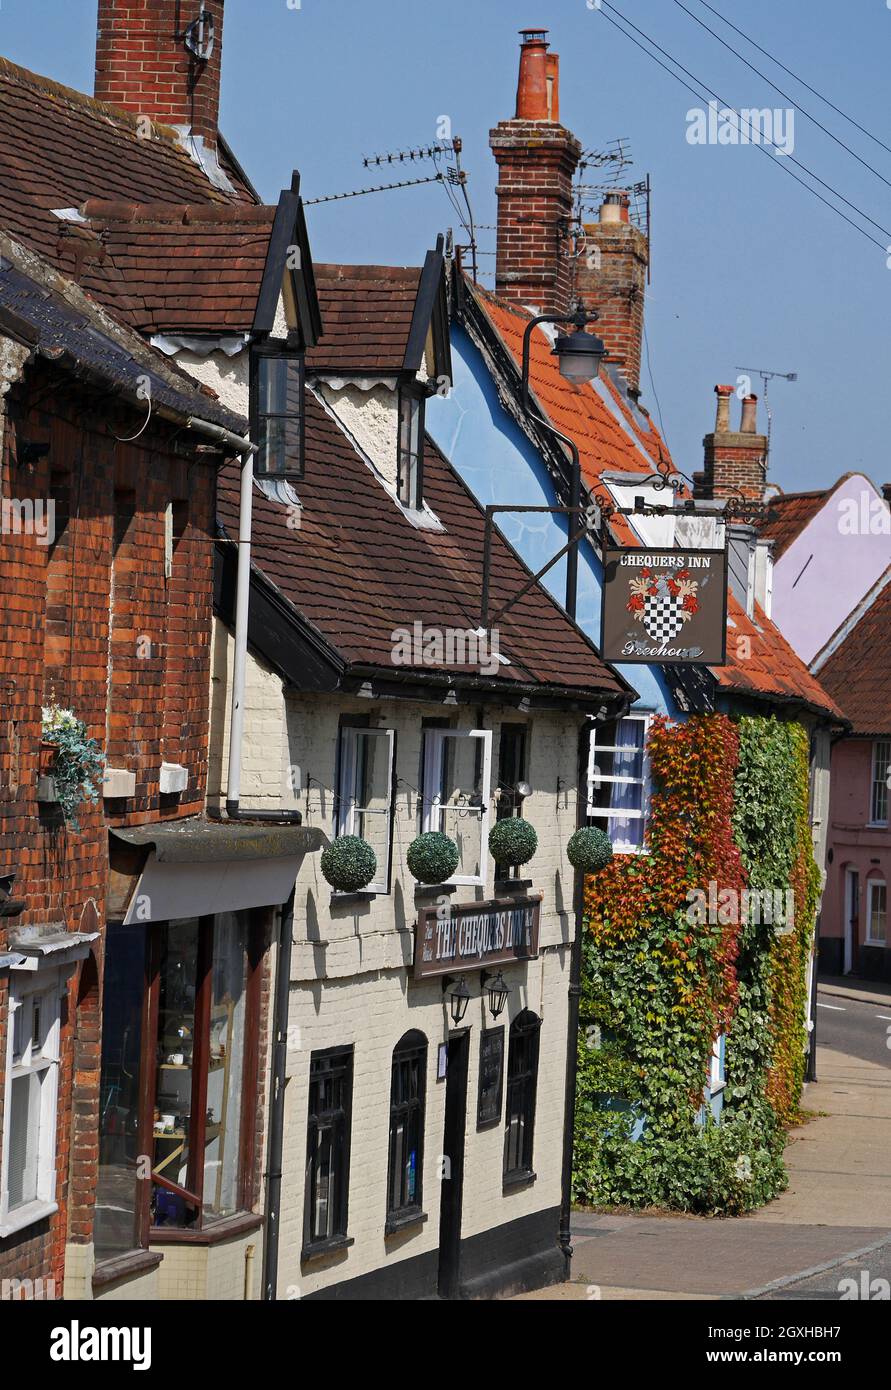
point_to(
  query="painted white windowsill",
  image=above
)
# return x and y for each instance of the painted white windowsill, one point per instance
(26, 1216)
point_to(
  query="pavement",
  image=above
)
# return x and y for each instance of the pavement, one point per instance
(833, 1223)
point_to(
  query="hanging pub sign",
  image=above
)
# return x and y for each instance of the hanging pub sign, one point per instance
(664, 607)
(471, 936)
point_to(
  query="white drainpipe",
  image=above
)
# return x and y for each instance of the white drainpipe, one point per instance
(242, 599)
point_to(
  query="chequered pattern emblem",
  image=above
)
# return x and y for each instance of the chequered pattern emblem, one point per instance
(662, 617)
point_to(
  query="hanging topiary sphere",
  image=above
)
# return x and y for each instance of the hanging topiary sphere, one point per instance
(512, 841)
(432, 857)
(349, 863)
(589, 849)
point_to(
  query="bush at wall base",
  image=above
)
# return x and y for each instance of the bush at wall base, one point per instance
(349, 864)
(512, 842)
(589, 849)
(432, 857)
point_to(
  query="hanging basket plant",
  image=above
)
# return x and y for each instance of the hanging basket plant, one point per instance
(589, 849)
(512, 842)
(72, 759)
(432, 857)
(349, 864)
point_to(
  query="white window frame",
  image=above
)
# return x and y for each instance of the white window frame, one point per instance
(48, 987)
(348, 807)
(595, 813)
(871, 885)
(433, 806)
(876, 781)
(410, 447)
(717, 1071)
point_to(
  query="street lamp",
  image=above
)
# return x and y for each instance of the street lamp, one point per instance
(459, 997)
(498, 990)
(580, 356)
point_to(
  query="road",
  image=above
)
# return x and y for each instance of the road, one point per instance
(859, 1030)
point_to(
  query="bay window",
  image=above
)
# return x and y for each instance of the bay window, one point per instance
(456, 792)
(619, 781)
(277, 392)
(365, 793)
(28, 1164)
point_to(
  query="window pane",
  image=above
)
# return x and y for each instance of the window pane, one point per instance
(24, 1119)
(176, 1039)
(881, 765)
(278, 441)
(327, 1172)
(464, 826)
(278, 385)
(878, 915)
(115, 1230)
(225, 1068)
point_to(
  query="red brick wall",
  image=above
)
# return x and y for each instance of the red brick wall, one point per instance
(129, 652)
(612, 278)
(143, 67)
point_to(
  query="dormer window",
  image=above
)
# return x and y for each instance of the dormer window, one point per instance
(277, 410)
(410, 456)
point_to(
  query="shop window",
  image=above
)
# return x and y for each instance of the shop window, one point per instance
(456, 792)
(522, 1081)
(876, 913)
(28, 1168)
(178, 1077)
(277, 409)
(410, 452)
(881, 775)
(407, 1097)
(365, 793)
(619, 781)
(328, 1148)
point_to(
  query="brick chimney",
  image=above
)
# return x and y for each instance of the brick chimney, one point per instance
(735, 461)
(536, 159)
(611, 278)
(161, 59)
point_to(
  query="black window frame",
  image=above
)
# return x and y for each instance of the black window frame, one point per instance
(415, 394)
(521, 1087)
(259, 352)
(324, 1063)
(411, 1047)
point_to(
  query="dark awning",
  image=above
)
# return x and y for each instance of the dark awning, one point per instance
(202, 841)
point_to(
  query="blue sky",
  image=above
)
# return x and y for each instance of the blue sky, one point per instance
(748, 268)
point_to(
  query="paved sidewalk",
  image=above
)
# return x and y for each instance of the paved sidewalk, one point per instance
(836, 1212)
(863, 991)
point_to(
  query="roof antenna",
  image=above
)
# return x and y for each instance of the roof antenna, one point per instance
(199, 36)
(766, 377)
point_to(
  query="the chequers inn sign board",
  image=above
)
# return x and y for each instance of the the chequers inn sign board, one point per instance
(665, 607)
(472, 936)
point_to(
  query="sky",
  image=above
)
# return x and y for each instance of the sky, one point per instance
(748, 268)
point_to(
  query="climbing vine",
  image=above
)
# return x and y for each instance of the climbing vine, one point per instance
(677, 953)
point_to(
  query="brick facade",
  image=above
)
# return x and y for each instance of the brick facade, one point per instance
(143, 66)
(735, 460)
(611, 277)
(91, 620)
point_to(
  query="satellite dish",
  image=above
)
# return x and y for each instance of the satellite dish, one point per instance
(199, 36)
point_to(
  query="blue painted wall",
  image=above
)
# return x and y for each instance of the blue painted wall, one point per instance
(499, 464)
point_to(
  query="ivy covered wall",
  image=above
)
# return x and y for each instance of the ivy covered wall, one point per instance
(708, 933)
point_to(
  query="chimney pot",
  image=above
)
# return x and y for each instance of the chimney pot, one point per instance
(722, 419)
(615, 207)
(749, 422)
(533, 86)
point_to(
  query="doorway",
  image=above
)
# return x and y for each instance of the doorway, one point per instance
(852, 916)
(452, 1165)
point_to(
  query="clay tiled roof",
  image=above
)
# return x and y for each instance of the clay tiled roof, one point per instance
(856, 673)
(367, 312)
(611, 437)
(59, 147)
(179, 269)
(789, 513)
(357, 569)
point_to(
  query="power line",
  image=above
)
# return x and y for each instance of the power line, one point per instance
(819, 95)
(784, 166)
(785, 95)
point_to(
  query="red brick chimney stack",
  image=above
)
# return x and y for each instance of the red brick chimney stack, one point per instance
(147, 63)
(735, 461)
(537, 159)
(612, 278)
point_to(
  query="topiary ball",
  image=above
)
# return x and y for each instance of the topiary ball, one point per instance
(589, 849)
(432, 857)
(512, 841)
(349, 863)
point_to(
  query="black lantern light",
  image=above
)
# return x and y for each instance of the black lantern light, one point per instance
(579, 354)
(498, 990)
(459, 997)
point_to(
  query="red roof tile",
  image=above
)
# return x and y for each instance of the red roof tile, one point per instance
(856, 673)
(611, 438)
(367, 312)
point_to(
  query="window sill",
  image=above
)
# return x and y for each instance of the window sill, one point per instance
(877, 945)
(27, 1216)
(433, 890)
(366, 895)
(214, 1234)
(512, 1181)
(516, 884)
(403, 1221)
(127, 1266)
(326, 1247)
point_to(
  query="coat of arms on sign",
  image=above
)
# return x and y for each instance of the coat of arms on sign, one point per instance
(663, 601)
